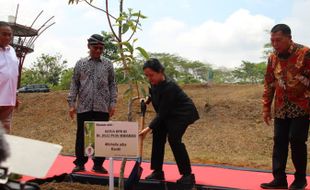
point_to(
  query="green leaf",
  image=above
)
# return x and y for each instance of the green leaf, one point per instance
(127, 44)
(138, 15)
(125, 28)
(143, 52)
(121, 18)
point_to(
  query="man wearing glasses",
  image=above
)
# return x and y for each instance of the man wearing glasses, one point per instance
(92, 97)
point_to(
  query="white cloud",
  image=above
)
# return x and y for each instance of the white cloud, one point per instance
(74, 24)
(240, 37)
(298, 21)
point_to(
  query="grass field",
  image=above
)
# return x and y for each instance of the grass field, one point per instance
(230, 130)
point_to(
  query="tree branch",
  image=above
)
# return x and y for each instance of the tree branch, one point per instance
(99, 9)
(133, 32)
(109, 20)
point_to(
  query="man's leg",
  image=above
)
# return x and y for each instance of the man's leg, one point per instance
(280, 148)
(81, 159)
(6, 113)
(279, 154)
(98, 161)
(298, 137)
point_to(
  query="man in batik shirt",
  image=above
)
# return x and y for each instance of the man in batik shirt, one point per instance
(92, 97)
(287, 82)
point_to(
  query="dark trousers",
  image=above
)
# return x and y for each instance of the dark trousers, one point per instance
(295, 132)
(174, 131)
(81, 159)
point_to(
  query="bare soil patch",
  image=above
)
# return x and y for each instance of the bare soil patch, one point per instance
(230, 130)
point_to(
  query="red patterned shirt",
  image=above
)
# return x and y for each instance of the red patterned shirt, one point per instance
(287, 81)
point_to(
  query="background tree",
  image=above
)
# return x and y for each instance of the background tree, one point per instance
(183, 70)
(65, 80)
(47, 69)
(267, 50)
(250, 72)
(110, 48)
(223, 75)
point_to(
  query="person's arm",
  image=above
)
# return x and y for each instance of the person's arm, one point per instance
(166, 103)
(74, 90)
(269, 89)
(112, 89)
(304, 75)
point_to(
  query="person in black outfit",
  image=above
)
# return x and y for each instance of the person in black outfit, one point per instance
(175, 111)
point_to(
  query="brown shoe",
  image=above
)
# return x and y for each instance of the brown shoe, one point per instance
(101, 170)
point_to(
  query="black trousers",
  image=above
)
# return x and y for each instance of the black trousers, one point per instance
(293, 131)
(174, 131)
(81, 159)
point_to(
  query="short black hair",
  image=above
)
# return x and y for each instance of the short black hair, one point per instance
(285, 29)
(2, 23)
(154, 64)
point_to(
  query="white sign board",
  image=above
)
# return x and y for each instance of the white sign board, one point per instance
(30, 157)
(111, 139)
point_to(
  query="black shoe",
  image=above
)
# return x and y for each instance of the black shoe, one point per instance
(275, 184)
(78, 169)
(100, 169)
(156, 175)
(298, 184)
(187, 179)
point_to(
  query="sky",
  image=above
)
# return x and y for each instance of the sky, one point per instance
(222, 33)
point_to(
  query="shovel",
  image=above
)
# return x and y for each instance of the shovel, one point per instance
(136, 172)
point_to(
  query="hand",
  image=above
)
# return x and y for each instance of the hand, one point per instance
(72, 112)
(267, 117)
(144, 132)
(18, 102)
(111, 112)
(142, 100)
(146, 100)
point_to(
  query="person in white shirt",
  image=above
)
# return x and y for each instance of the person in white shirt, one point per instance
(9, 71)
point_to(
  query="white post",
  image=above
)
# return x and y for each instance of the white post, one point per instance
(111, 174)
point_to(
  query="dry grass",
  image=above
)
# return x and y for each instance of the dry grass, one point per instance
(230, 130)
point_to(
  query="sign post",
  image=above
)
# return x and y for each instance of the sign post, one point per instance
(111, 139)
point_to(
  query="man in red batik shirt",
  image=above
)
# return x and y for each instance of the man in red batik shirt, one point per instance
(287, 82)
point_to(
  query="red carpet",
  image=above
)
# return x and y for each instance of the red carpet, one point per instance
(205, 175)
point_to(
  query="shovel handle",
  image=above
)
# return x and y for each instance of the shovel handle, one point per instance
(142, 121)
(143, 108)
